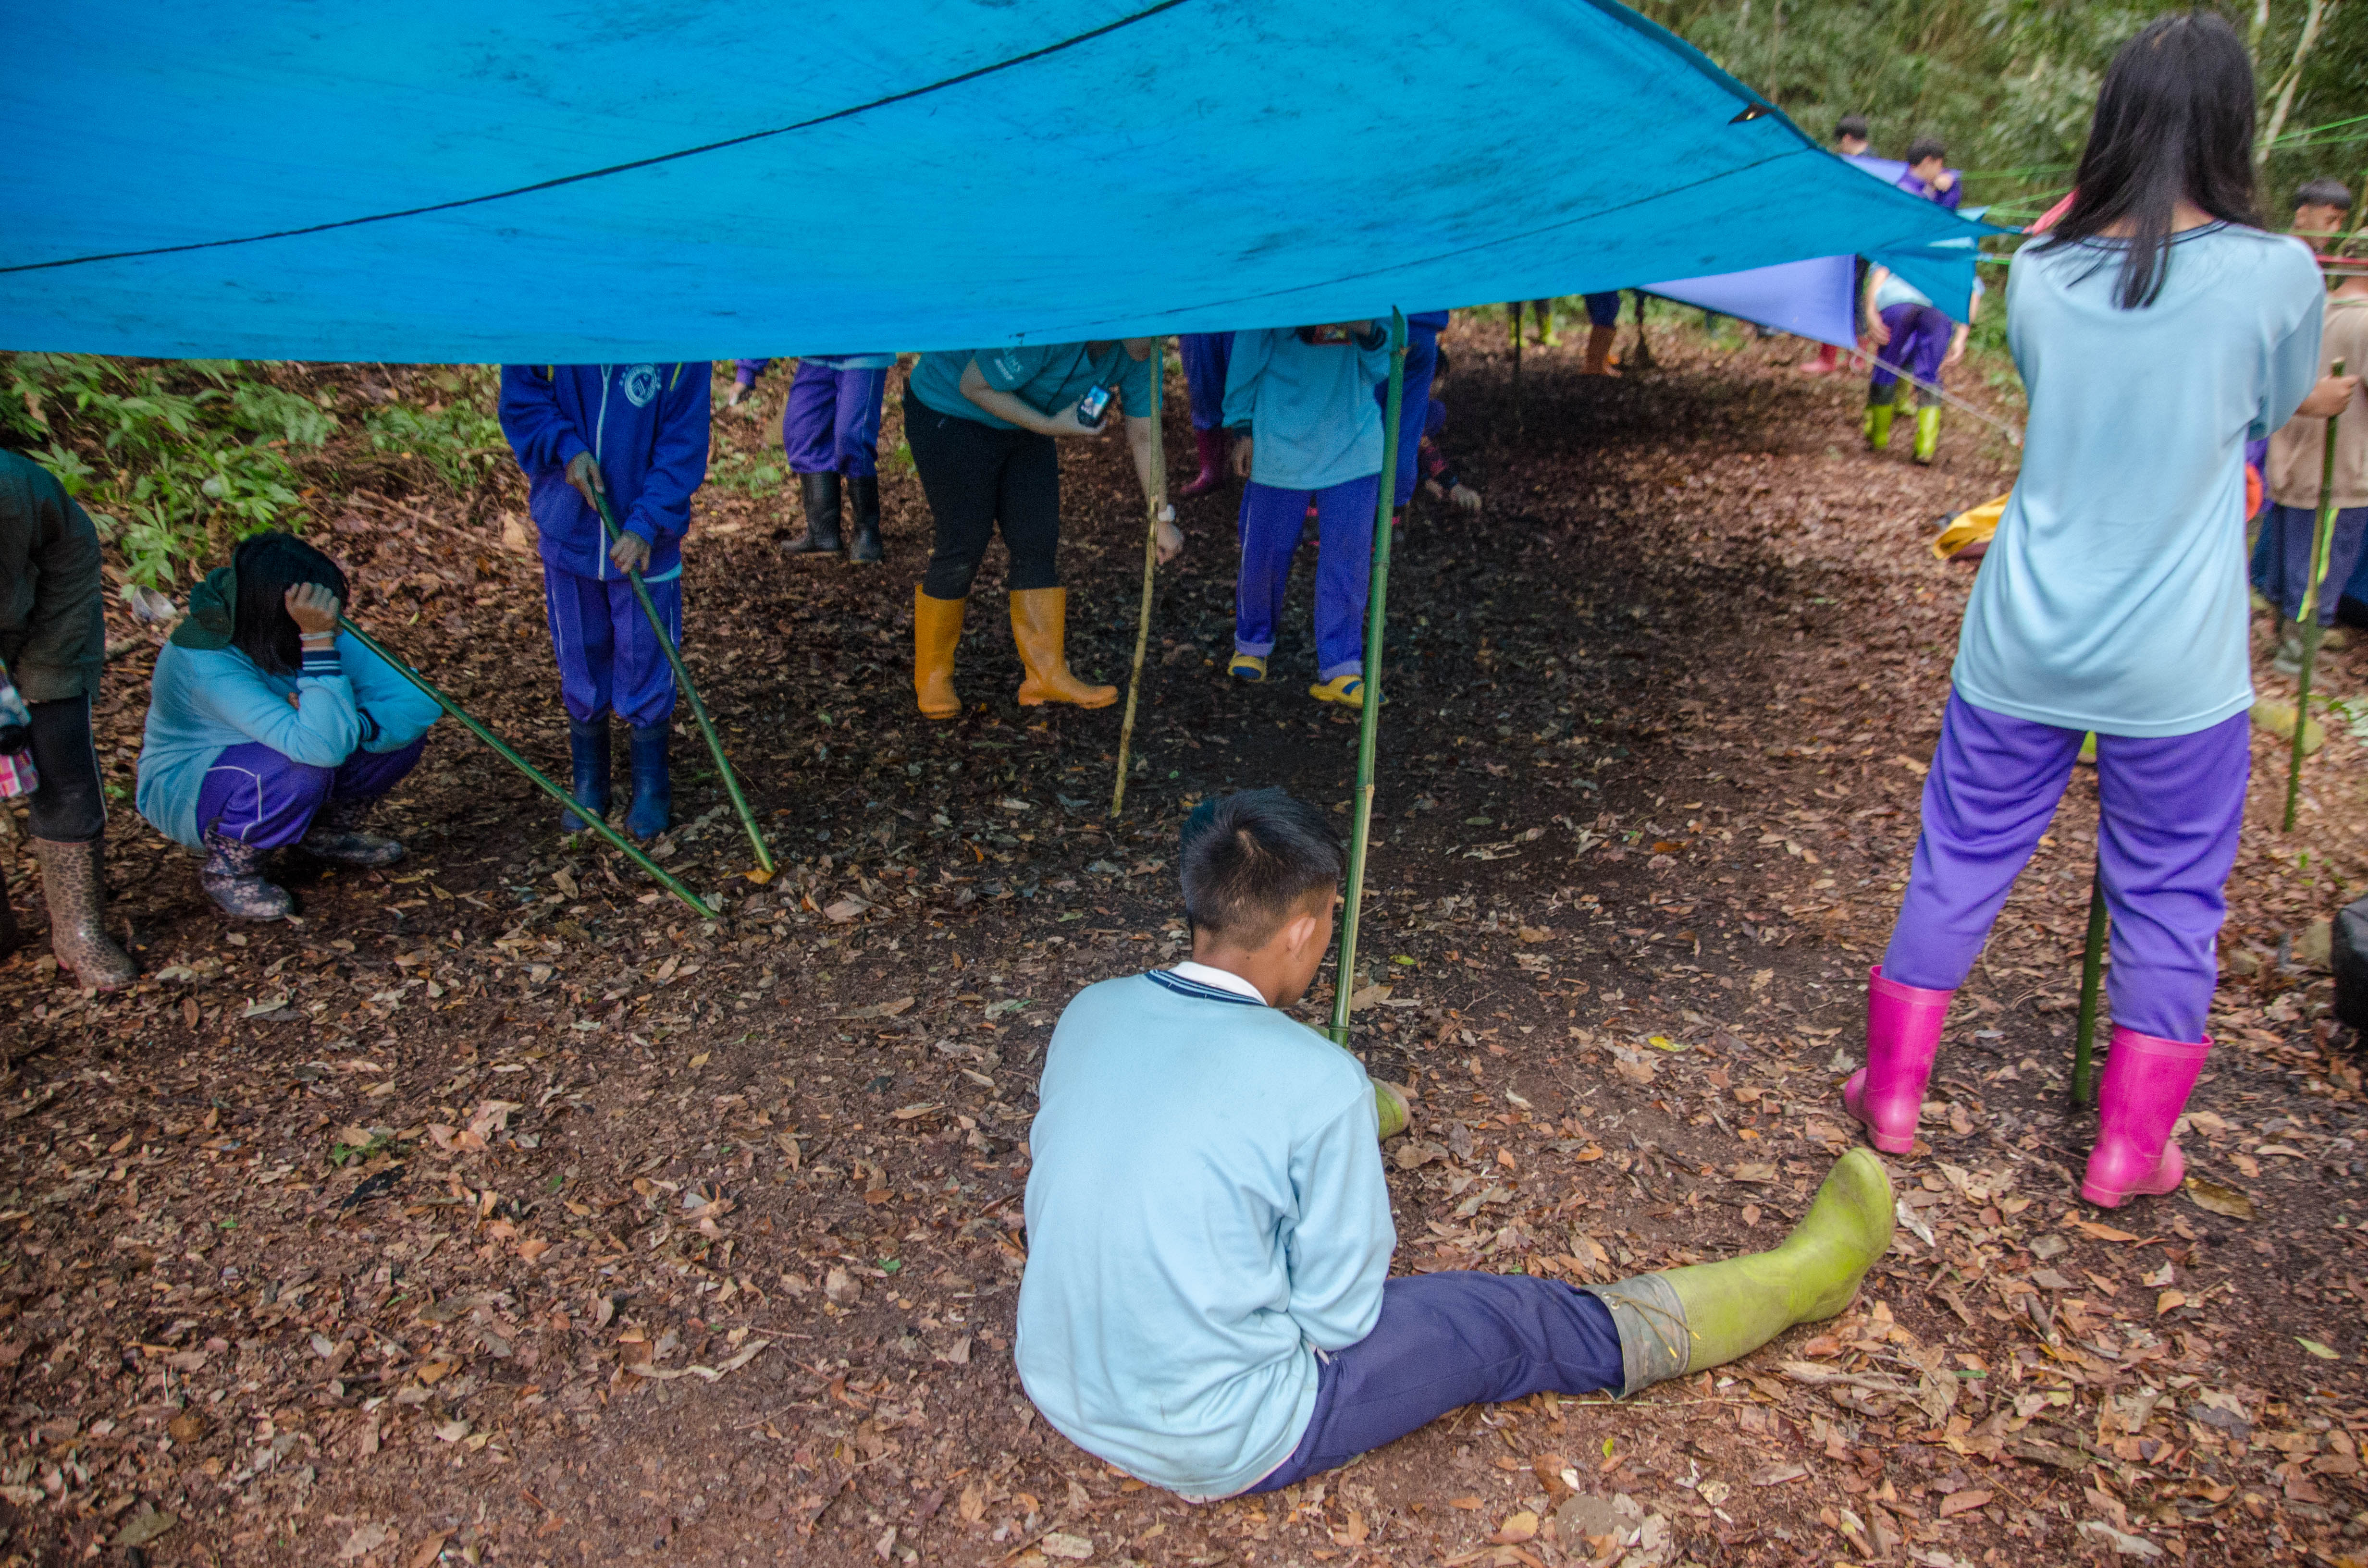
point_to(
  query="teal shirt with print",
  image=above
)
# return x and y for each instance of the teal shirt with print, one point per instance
(1048, 378)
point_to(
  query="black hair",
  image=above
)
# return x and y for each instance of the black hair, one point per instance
(268, 564)
(2174, 120)
(1851, 125)
(2322, 192)
(1250, 860)
(1925, 147)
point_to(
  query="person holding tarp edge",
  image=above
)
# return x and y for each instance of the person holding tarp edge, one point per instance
(982, 425)
(2156, 327)
(1207, 1302)
(637, 433)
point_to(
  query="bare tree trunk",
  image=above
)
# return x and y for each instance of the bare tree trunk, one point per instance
(2292, 79)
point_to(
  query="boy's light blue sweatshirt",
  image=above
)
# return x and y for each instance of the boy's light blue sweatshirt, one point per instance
(1310, 408)
(203, 702)
(2112, 598)
(1206, 1211)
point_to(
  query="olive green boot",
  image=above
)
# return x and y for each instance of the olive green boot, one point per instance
(1878, 425)
(1687, 1320)
(1928, 433)
(1390, 1101)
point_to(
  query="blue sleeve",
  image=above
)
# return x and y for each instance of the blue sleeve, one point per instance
(1339, 1248)
(2294, 366)
(680, 465)
(397, 712)
(1251, 351)
(544, 439)
(1009, 370)
(321, 732)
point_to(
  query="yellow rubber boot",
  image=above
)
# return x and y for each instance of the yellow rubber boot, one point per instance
(1039, 626)
(1688, 1320)
(937, 630)
(1878, 426)
(1928, 432)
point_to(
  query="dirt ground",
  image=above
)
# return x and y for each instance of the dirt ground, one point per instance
(498, 1211)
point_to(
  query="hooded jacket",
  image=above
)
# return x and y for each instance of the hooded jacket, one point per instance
(646, 426)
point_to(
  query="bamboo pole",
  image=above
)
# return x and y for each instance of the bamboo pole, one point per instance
(2092, 969)
(592, 818)
(682, 674)
(1155, 502)
(2322, 541)
(1370, 716)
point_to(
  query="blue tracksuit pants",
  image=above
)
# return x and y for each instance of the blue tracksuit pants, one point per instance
(831, 422)
(610, 660)
(1414, 406)
(1271, 519)
(1205, 357)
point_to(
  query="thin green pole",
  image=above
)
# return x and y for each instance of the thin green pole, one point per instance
(1370, 716)
(591, 817)
(2092, 969)
(1157, 499)
(691, 692)
(2322, 542)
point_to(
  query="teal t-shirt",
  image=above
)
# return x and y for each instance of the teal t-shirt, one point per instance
(2112, 598)
(1046, 377)
(1206, 1211)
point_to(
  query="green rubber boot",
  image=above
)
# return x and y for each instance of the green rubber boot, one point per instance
(1687, 1320)
(1392, 1104)
(1928, 432)
(1878, 426)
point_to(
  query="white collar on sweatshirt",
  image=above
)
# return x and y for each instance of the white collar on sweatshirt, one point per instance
(1223, 980)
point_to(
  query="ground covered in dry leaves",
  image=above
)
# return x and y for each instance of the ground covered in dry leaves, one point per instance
(498, 1211)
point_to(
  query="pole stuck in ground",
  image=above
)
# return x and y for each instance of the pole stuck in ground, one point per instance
(2322, 541)
(2092, 969)
(690, 693)
(598, 823)
(1369, 720)
(1157, 502)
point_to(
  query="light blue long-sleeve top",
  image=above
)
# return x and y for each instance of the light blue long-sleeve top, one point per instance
(203, 702)
(2112, 598)
(1309, 407)
(1205, 1212)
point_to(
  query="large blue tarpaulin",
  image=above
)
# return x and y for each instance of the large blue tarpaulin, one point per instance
(446, 181)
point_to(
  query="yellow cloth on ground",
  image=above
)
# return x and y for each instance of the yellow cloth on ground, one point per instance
(1974, 526)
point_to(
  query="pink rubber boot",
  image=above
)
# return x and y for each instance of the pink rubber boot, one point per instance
(1903, 1031)
(1212, 445)
(2146, 1086)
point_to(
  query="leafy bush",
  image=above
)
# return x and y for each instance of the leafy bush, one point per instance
(171, 472)
(460, 440)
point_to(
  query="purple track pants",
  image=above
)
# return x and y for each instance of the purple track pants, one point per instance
(2170, 809)
(831, 421)
(1271, 520)
(259, 796)
(1414, 403)
(2287, 536)
(610, 660)
(1206, 355)
(1448, 1340)
(1919, 341)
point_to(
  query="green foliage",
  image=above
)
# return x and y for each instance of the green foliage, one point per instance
(165, 457)
(759, 474)
(460, 440)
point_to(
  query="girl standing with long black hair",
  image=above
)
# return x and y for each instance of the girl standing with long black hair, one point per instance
(2157, 329)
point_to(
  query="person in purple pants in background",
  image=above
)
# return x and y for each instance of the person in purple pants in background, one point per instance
(830, 427)
(2158, 327)
(1206, 356)
(268, 729)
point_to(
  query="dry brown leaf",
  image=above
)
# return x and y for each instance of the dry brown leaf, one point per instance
(1963, 1502)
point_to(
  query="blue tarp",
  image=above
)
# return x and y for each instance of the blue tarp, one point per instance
(1809, 298)
(446, 181)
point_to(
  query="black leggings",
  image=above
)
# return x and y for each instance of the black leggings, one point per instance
(68, 808)
(977, 477)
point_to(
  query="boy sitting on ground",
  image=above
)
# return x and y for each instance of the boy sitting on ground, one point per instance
(1207, 1302)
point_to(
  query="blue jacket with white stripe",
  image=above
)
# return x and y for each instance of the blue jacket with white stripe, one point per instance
(645, 425)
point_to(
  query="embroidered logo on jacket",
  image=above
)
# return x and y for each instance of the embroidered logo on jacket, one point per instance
(639, 385)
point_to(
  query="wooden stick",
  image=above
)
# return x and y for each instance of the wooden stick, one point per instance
(2321, 543)
(1370, 716)
(1154, 504)
(2092, 969)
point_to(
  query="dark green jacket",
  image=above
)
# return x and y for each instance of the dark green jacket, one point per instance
(51, 632)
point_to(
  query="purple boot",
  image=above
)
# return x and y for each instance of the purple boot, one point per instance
(2146, 1086)
(1903, 1031)
(1212, 445)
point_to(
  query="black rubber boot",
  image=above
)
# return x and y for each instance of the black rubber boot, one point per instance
(863, 494)
(820, 536)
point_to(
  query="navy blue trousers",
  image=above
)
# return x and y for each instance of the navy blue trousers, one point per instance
(1206, 356)
(1414, 408)
(1444, 1341)
(610, 660)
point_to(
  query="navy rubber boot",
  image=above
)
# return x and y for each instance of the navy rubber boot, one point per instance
(587, 751)
(653, 792)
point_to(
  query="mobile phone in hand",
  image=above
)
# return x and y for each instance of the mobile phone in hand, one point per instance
(1093, 406)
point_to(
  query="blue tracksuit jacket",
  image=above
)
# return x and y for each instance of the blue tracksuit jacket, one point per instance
(646, 424)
